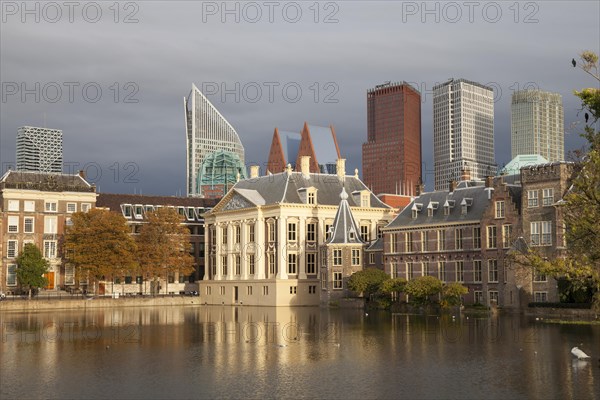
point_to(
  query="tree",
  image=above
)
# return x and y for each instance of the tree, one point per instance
(422, 288)
(163, 245)
(99, 245)
(367, 281)
(581, 209)
(31, 267)
(395, 285)
(452, 294)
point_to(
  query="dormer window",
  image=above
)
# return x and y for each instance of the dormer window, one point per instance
(127, 210)
(415, 209)
(448, 205)
(138, 211)
(351, 234)
(311, 198)
(365, 199)
(433, 205)
(465, 204)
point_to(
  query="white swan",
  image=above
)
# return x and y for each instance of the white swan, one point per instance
(579, 354)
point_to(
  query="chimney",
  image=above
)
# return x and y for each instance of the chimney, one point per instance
(254, 171)
(82, 174)
(288, 169)
(452, 186)
(305, 166)
(419, 189)
(465, 174)
(489, 181)
(341, 167)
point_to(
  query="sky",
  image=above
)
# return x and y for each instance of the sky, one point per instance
(112, 76)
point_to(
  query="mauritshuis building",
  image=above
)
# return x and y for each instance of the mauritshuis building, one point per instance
(463, 131)
(215, 154)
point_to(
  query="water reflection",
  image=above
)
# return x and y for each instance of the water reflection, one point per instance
(225, 352)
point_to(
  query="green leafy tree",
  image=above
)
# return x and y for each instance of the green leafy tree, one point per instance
(163, 245)
(452, 294)
(99, 245)
(31, 267)
(582, 204)
(367, 281)
(421, 289)
(395, 285)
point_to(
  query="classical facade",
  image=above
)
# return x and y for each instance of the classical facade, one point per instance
(134, 208)
(537, 124)
(39, 149)
(317, 142)
(207, 131)
(274, 239)
(35, 208)
(463, 131)
(391, 157)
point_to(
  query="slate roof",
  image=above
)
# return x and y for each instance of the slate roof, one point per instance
(472, 193)
(345, 228)
(284, 188)
(113, 201)
(377, 245)
(45, 181)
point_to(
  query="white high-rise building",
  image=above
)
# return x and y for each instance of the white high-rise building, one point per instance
(39, 149)
(207, 131)
(463, 131)
(537, 124)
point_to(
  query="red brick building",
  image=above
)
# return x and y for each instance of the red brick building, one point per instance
(391, 157)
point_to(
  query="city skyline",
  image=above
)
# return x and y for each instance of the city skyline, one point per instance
(130, 146)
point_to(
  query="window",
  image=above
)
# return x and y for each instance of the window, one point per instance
(222, 290)
(415, 213)
(371, 258)
(546, 233)
(541, 233)
(12, 249)
(492, 271)
(238, 267)
(13, 205)
(446, 210)
(265, 290)
(292, 231)
(251, 264)
(11, 275)
(224, 265)
(460, 271)
(458, 239)
(292, 263)
(272, 265)
(477, 238)
(532, 198)
(69, 274)
(548, 197)
(539, 277)
(442, 271)
(249, 290)
(251, 237)
(311, 198)
(491, 237)
(238, 233)
(323, 280)
(477, 271)
(50, 225)
(408, 242)
(506, 235)
(311, 263)
(441, 242)
(365, 199)
(224, 235)
(50, 248)
(337, 280)
(293, 289)
(29, 206)
(493, 295)
(355, 256)
(500, 209)
(85, 207)
(478, 297)
(393, 241)
(311, 232)
(68, 221)
(127, 211)
(540, 297)
(312, 289)
(328, 231)
(364, 233)
(337, 257)
(71, 207)
(209, 290)
(271, 229)
(13, 224)
(379, 232)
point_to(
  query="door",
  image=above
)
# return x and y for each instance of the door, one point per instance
(50, 277)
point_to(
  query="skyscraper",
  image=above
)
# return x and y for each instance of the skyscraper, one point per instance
(39, 149)
(537, 124)
(391, 157)
(463, 131)
(207, 131)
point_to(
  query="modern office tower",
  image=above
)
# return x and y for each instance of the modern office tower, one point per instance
(391, 157)
(207, 131)
(39, 149)
(537, 124)
(463, 131)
